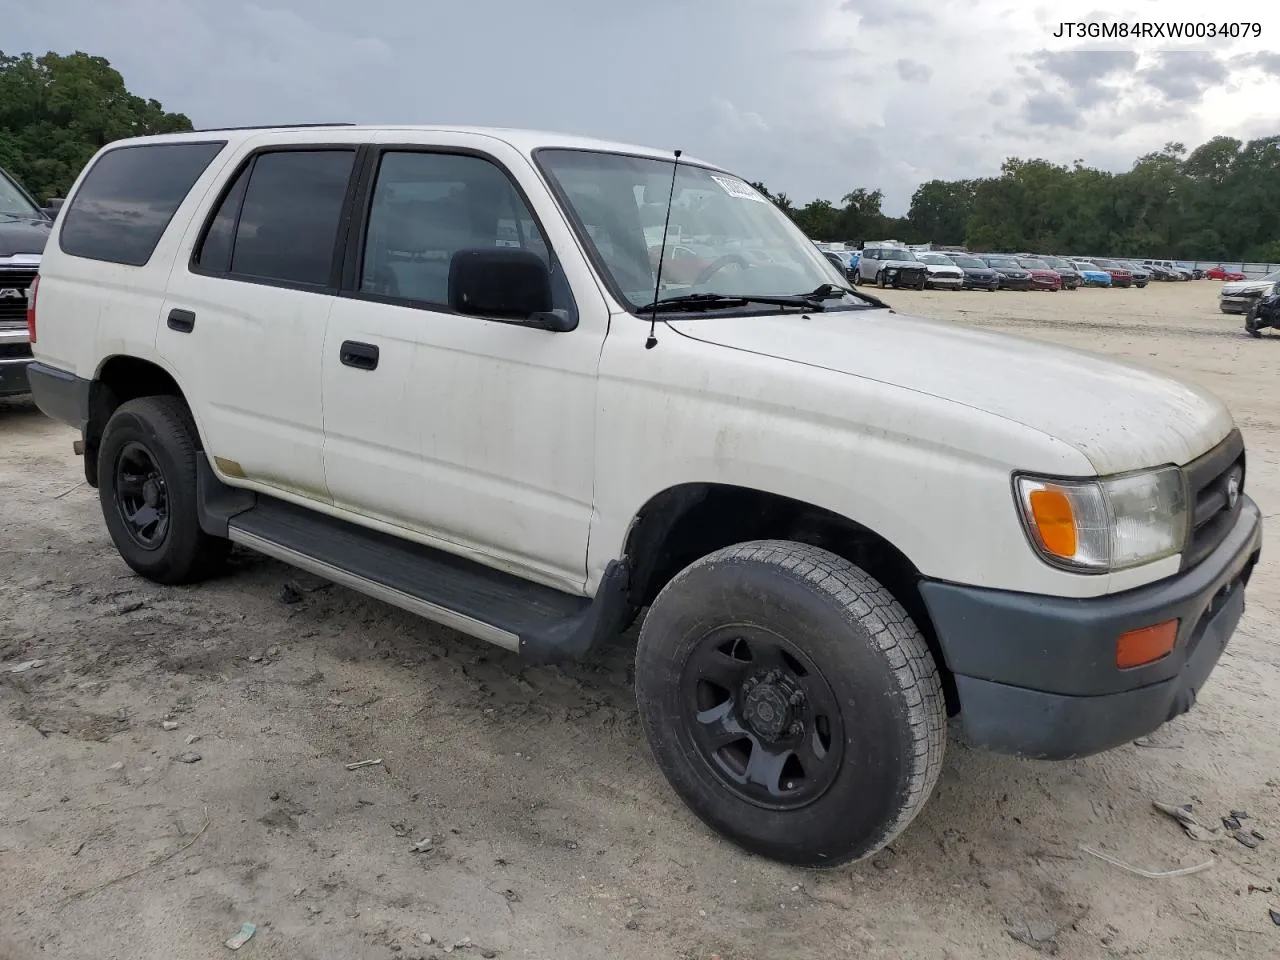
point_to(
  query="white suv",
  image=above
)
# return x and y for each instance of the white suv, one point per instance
(844, 523)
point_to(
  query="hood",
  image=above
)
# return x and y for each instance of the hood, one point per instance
(979, 271)
(908, 264)
(939, 268)
(1237, 287)
(18, 235)
(1016, 273)
(1044, 274)
(1120, 417)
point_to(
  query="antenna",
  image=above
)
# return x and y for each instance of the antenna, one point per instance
(652, 341)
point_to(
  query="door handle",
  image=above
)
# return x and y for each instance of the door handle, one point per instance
(184, 321)
(362, 356)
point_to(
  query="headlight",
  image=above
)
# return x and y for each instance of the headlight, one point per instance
(1096, 526)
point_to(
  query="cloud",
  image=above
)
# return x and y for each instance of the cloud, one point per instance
(1083, 72)
(1051, 110)
(886, 13)
(1264, 60)
(1185, 75)
(913, 71)
(942, 89)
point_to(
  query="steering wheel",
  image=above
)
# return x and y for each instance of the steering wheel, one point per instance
(715, 266)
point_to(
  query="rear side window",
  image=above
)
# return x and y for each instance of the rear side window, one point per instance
(128, 198)
(278, 221)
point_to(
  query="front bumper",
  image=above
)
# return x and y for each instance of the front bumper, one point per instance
(943, 280)
(1043, 283)
(1236, 304)
(972, 282)
(1036, 675)
(1016, 283)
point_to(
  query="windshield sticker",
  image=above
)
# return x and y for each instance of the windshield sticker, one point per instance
(738, 188)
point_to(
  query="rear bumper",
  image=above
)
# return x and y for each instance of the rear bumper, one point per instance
(60, 395)
(1036, 675)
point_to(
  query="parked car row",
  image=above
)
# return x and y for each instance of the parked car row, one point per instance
(889, 263)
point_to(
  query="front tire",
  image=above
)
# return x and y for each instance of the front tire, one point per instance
(147, 488)
(791, 702)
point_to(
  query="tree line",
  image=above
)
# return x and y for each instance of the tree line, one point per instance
(1220, 201)
(57, 111)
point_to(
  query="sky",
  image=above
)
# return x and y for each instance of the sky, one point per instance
(812, 97)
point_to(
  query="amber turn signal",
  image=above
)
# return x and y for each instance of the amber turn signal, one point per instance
(1145, 645)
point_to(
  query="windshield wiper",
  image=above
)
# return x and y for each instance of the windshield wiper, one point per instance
(829, 291)
(712, 301)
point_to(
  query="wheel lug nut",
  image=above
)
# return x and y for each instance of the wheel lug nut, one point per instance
(797, 698)
(797, 728)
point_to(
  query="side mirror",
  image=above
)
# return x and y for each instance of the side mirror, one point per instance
(505, 284)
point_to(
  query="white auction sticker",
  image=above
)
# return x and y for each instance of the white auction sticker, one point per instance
(738, 188)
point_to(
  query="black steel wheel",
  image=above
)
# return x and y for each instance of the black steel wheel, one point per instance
(762, 716)
(791, 702)
(141, 496)
(147, 488)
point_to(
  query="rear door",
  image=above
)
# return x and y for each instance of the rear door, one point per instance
(248, 301)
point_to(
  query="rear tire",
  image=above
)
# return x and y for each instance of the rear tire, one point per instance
(791, 702)
(147, 488)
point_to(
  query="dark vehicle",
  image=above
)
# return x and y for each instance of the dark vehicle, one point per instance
(977, 275)
(1141, 275)
(1071, 278)
(24, 228)
(1120, 276)
(1161, 273)
(1013, 276)
(840, 262)
(1264, 313)
(1043, 277)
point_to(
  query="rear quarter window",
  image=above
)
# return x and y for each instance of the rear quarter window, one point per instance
(128, 198)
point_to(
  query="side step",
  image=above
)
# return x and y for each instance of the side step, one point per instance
(540, 623)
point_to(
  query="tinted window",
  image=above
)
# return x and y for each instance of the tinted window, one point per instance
(214, 252)
(428, 206)
(289, 220)
(128, 198)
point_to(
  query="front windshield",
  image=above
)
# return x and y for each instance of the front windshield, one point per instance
(1272, 277)
(973, 263)
(936, 259)
(1056, 263)
(1030, 263)
(1108, 265)
(745, 246)
(1004, 263)
(14, 202)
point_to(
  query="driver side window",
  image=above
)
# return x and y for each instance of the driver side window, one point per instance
(427, 207)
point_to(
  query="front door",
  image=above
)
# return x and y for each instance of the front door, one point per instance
(476, 435)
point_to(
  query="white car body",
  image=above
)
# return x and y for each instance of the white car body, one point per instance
(926, 406)
(1237, 296)
(942, 272)
(358, 375)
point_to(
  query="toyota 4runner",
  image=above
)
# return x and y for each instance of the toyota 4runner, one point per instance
(443, 367)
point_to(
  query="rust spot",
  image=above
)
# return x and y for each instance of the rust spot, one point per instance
(229, 468)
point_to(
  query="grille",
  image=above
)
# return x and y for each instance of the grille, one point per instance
(1209, 480)
(11, 307)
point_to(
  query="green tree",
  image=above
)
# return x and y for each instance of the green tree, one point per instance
(56, 111)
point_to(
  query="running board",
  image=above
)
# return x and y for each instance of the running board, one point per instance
(540, 623)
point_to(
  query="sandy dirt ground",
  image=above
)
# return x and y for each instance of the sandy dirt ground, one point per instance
(551, 833)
